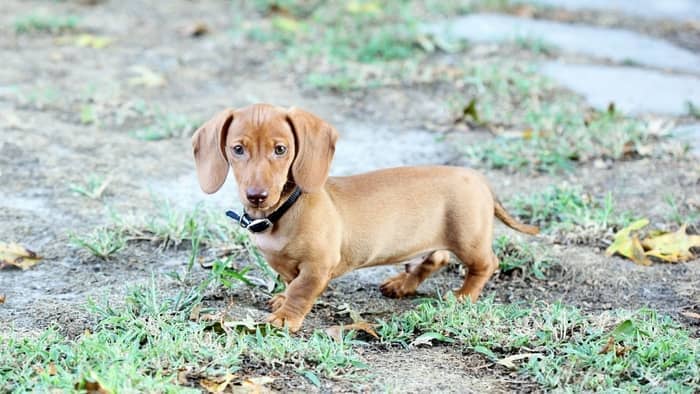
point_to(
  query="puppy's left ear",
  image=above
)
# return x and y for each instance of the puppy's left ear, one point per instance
(208, 146)
(315, 145)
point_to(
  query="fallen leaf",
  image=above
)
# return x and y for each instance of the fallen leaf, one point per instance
(256, 384)
(469, 111)
(429, 337)
(508, 361)
(2, 298)
(196, 29)
(146, 77)
(52, 369)
(336, 332)
(286, 24)
(217, 384)
(691, 315)
(363, 7)
(92, 41)
(628, 245)
(16, 255)
(194, 314)
(91, 387)
(672, 247)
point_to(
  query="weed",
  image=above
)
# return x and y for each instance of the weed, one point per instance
(167, 125)
(102, 243)
(93, 187)
(564, 348)
(570, 213)
(549, 131)
(681, 213)
(693, 110)
(37, 23)
(88, 114)
(520, 256)
(145, 345)
(534, 44)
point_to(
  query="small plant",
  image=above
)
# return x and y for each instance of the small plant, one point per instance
(37, 23)
(520, 256)
(93, 187)
(167, 125)
(102, 242)
(533, 44)
(569, 213)
(559, 346)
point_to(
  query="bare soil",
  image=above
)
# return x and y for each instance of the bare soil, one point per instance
(44, 147)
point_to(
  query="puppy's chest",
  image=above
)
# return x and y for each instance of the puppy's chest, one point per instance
(270, 244)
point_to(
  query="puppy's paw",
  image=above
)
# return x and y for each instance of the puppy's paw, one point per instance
(281, 318)
(401, 285)
(277, 301)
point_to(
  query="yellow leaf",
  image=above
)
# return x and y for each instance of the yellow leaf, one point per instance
(672, 247)
(146, 77)
(16, 255)
(286, 24)
(363, 7)
(91, 41)
(218, 384)
(625, 244)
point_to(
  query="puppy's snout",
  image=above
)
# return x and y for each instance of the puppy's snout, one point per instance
(255, 195)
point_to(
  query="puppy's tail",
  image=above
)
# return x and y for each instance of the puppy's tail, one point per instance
(510, 221)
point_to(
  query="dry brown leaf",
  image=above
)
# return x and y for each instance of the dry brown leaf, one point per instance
(217, 384)
(91, 387)
(196, 29)
(2, 298)
(691, 315)
(52, 369)
(194, 314)
(336, 332)
(508, 361)
(672, 247)
(16, 255)
(255, 385)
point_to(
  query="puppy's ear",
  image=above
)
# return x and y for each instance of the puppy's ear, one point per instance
(315, 145)
(208, 145)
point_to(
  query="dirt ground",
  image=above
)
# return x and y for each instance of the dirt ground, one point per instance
(44, 147)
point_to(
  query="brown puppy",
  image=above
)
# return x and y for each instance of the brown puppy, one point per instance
(339, 224)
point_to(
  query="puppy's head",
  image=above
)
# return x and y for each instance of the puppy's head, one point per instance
(268, 148)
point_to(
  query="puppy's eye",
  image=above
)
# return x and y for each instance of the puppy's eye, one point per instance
(280, 150)
(238, 150)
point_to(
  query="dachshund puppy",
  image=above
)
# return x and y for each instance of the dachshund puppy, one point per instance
(312, 228)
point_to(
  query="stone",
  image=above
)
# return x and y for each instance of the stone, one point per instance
(632, 90)
(621, 46)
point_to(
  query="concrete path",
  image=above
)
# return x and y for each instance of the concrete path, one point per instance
(633, 90)
(681, 10)
(618, 45)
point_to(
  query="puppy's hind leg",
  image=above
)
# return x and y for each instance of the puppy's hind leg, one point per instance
(480, 265)
(406, 283)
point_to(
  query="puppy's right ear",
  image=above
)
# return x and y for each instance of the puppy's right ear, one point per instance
(208, 145)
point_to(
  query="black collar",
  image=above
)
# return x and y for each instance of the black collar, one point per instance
(262, 224)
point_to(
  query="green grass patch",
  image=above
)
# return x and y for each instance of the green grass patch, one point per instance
(39, 23)
(514, 256)
(546, 129)
(559, 346)
(142, 345)
(164, 125)
(570, 213)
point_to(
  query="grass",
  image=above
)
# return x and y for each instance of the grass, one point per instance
(570, 214)
(167, 125)
(52, 24)
(521, 257)
(548, 131)
(152, 345)
(560, 347)
(102, 242)
(93, 187)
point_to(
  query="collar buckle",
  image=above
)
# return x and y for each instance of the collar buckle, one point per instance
(258, 225)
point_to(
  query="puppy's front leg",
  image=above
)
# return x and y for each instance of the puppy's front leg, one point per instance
(300, 296)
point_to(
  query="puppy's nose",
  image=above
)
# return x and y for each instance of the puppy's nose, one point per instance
(255, 195)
